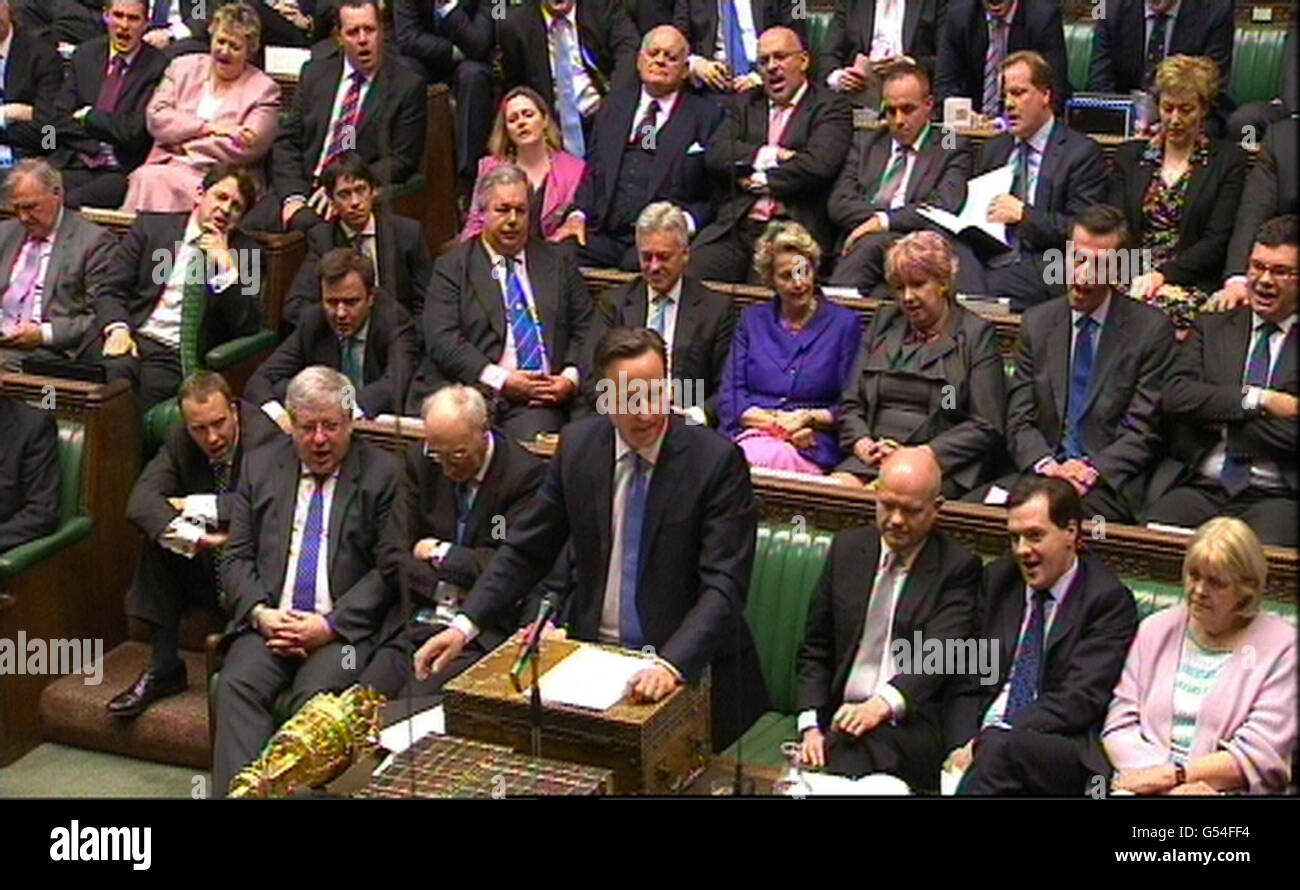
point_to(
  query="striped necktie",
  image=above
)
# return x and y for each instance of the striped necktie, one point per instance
(1235, 475)
(344, 133)
(893, 178)
(566, 91)
(527, 332)
(630, 633)
(304, 579)
(997, 50)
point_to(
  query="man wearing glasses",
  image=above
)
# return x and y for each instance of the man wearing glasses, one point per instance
(1232, 392)
(461, 489)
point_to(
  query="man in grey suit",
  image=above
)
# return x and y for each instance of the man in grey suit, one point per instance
(1083, 403)
(54, 261)
(300, 567)
(888, 174)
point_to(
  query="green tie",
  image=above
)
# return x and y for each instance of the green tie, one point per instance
(351, 367)
(193, 305)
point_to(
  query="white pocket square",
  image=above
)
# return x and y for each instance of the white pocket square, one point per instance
(695, 149)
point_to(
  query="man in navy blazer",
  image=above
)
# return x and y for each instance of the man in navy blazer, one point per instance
(964, 40)
(647, 145)
(1062, 623)
(1066, 173)
(679, 585)
(1126, 49)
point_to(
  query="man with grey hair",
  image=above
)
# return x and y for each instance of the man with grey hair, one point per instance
(301, 573)
(56, 263)
(695, 322)
(647, 145)
(510, 313)
(462, 488)
(30, 75)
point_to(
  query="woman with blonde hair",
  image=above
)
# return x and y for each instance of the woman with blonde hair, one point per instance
(526, 135)
(210, 108)
(1206, 702)
(1179, 191)
(788, 362)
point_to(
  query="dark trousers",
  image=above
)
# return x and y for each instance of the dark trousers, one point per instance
(1272, 516)
(94, 188)
(389, 672)
(911, 750)
(155, 375)
(1022, 280)
(471, 88)
(252, 678)
(277, 30)
(863, 267)
(165, 587)
(265, 215)
(1101, 499)
(1017, 761)
(604, 250)
(522, 423)
(729, 255)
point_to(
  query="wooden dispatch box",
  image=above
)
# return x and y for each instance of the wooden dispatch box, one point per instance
(655, 748)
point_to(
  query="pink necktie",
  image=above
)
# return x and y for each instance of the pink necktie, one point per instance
(765, 208)
(17, 303)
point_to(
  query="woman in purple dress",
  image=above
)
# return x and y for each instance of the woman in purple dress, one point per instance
(789, 360)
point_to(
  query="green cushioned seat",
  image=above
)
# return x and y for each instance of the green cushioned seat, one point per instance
(72, 526)
(817, 24)
(1256, 63)
(1078, 53)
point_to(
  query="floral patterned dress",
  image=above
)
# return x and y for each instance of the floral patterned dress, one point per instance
(1162, 210)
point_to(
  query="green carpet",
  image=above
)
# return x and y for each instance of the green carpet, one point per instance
(52, 770)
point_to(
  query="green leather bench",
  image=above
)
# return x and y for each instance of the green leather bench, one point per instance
(1078, 53)
(786, 568)
(73, 525)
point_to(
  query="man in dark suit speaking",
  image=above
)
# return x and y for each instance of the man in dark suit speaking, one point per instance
(663, 521)
(885, 585)
(300, 567)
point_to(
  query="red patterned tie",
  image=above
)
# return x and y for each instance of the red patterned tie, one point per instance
(344, 135)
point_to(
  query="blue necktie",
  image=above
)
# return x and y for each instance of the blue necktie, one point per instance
(161, 11)
(304, 581)
(463, 506)
(566, 92)
(1029, 658)
(1235, 476)
(527, 333)
(629, 620)
(6, 153)
(733, 41)
(1080, 375)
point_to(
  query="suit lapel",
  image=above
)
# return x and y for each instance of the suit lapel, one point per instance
(612, 148)
(1232, 358)
(541, 276)
(688, 314)
(1196, 184)
(663, 491)
(1110, 345)
(485, 291)
(875, 162)
(857, 606)
(1058, 358)
(926, 162)
(344, 491)
(1051, 158)
(286, 496)
(911, 16)
(9, 251)
(635, 307)
(1285, 368)
(603, 493)
(916, 585)
(675, 132)
(1064, 618)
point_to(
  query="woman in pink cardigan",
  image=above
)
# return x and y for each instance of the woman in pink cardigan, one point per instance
(525, 134)
(209, 109)
(1206, 702)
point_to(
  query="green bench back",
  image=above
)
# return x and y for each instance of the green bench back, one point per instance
(1078, 53)
(72, 442)
(1256, 63)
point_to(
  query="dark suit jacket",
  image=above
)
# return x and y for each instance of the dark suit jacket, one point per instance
(390, 136)
(426, 508)
(404, 263)
(1121, 423)
(1119, 43)
(60, 21)
(964, 39)
(430, 38)
(1213, 196)
(701, 339)
(74, 277)
(696, 556)
(130, 291)
(647, 14)
(182, 468)
(391, 357)
(29, 473)
(33, 76)
(854, 21)
(125, 128)
(939, 178)
(698, 20)
(1271, 190)
(261, 527)
(607, 42)
(937, 601)
(1203, 392)
(1084, 653)
(819, 131)
(676, 175)
(1072, 176)
(964, 428)
(465, 316)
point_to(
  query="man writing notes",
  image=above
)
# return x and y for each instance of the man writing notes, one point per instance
(863, 711)
(663, 521)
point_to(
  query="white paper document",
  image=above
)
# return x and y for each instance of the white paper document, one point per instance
(286, 60)
(404, 733)
(980, 192)
(875, 785)
(591, 678)
(997, 496)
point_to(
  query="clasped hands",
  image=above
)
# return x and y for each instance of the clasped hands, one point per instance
(291, 633)
(716, 76)
(1079, 473)
(537, 388)
(1161, 779)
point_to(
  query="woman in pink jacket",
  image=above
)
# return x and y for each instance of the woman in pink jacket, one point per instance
(1206, 702)
(209, 109)
(525, 134)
